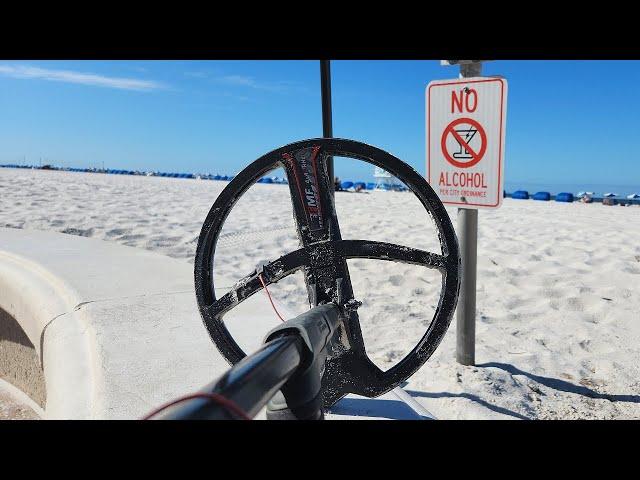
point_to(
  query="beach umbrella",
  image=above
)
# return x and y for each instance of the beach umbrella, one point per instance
(610, 195)
(633, 196)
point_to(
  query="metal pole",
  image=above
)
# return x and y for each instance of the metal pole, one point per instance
(327, 127)
(468, 237)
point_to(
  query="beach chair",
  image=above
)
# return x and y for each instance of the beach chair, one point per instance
(564, 197)
(542, 196)
(520, 195)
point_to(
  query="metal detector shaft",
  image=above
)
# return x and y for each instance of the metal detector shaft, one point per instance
(298, 346)
(250, 384)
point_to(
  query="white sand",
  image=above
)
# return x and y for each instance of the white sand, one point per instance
(558, 308)
(15, 405)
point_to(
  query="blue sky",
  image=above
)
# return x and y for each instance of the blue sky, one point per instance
(568, 122)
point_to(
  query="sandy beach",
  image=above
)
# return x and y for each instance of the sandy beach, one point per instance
(558, 294)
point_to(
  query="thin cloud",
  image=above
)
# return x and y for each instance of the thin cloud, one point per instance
(196, 74)
(68, 76)
(251, 82)
(247, 82)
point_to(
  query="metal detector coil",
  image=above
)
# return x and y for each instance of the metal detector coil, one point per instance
(322, 258)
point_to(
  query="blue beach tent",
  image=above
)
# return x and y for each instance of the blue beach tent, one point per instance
(346, 185)
(371, 186)
(544, 196)
(564, 197)
(520, 195)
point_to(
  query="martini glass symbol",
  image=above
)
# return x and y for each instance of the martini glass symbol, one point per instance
(467, 134)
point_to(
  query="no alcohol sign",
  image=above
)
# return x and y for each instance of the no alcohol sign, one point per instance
(465, 140)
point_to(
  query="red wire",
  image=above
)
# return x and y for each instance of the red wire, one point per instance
(264, 285)
(224, 402)
(231, 406)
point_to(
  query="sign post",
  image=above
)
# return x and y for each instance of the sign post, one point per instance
(465, 166)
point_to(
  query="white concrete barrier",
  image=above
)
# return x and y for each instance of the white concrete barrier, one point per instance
(116, 328)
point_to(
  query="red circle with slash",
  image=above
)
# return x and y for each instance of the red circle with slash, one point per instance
(476, 156)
